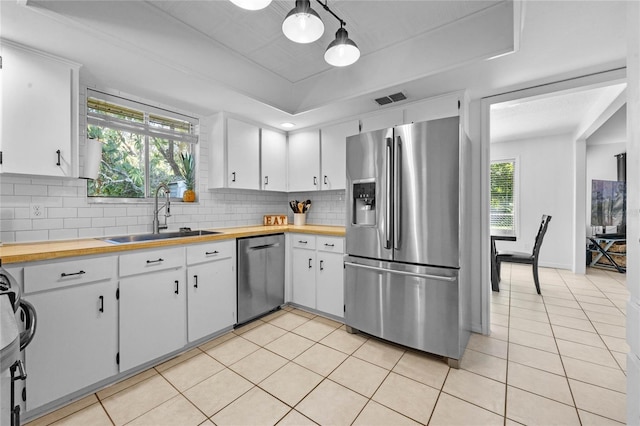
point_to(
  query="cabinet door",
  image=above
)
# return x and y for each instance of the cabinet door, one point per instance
(274, 161)
(304, 161)
(211, 297)
(329, 285)
(383, 120)
(433, 108)
(243, 155)
(304, 277)
(334, 161)
(76, 341)
(37, 117)
(152, 316)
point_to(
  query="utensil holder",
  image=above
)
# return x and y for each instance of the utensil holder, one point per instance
(299, 219)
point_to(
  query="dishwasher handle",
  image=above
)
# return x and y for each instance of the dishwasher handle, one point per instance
(410, 274)
(264, 246)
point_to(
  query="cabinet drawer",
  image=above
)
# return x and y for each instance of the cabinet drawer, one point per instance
(303, 241)
(208, 252)
(150, 261)
(67, 273)
(331, 244)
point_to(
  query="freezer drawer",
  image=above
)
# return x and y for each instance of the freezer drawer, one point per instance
(415, 306)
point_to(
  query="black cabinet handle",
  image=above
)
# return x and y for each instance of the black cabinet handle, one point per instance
(58, 152)
(322, 265)
(329, 245)
(195, 281)
(233, 179)
(315, 180)
(310, 263)
(155, 261)
(209, 253)
(101, 303)
(64, 274)
(177, 287)
(302, 242)
(266, 180)
(325, 180)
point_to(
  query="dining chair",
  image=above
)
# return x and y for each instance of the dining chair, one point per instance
(526, 258)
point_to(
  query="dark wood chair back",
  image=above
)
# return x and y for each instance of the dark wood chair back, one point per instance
(540, 235)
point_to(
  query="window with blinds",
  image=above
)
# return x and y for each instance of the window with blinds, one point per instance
(142, 146)
(503, 206)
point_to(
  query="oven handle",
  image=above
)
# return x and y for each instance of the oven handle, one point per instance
(410, 274)
(31, 321)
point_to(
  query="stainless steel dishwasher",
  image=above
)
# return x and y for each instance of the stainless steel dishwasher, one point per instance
(260, 275)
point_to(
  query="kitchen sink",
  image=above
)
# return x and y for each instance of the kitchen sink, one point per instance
(134, 238)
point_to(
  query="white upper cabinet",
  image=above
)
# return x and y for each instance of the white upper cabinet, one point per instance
(434, 108)
(383, 120)
(243, 141)
(304, 161)
(333, 149)
(274, 160)
(234, 153)
(39, 132)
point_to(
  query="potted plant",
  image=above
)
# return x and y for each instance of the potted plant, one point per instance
(188, 170)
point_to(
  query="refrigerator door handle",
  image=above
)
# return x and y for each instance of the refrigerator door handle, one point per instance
(397, 193)
(411, 274)
(388, 195)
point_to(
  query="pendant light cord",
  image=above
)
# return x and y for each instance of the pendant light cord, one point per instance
(326, 7)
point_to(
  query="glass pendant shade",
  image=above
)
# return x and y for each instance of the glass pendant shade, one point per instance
(251, 4)
(302, 24)
(342, 51)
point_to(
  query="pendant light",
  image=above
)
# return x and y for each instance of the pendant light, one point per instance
(303, 24)
(342, 51)
(251, 4)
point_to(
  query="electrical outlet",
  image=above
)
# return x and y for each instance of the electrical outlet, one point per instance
(37, 211)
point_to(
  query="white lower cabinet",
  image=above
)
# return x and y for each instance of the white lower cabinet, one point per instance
(317, 273)
(152, 306)
(211, 288)
(76, 339)
(304, 277)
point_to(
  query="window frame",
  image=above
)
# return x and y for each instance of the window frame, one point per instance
(514, 231)
(143, 128)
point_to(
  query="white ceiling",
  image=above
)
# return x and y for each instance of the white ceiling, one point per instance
(207, 56)
(566, 113)
(373, 25)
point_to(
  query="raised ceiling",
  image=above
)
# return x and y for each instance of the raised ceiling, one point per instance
(257, 36)
(562, 113)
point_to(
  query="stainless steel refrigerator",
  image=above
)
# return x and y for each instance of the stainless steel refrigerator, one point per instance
(406, 250)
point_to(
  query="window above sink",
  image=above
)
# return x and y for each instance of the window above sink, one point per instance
(142, 146)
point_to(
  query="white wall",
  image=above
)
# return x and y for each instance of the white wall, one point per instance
(545, 186)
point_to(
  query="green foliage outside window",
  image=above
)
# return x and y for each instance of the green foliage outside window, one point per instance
(138, 150)
(502, 195)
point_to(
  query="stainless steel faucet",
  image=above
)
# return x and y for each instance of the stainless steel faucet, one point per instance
(167, 209)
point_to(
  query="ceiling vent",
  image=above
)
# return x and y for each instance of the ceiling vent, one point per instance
(396, 97)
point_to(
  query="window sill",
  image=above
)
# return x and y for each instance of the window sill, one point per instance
(133, 201)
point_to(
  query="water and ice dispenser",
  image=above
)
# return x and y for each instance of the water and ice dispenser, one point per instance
(364, 203)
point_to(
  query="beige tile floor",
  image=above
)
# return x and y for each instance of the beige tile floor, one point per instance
(552, 359)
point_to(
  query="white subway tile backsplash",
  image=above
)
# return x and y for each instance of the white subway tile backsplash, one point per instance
(103, 222)
(15, 225)
(6, 188)
(61, 212)
(25, 236)
(63, 234)
(47, 224)
(63, 191)
(77, 223)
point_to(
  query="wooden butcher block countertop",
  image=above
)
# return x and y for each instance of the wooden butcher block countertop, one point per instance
(29, 252)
